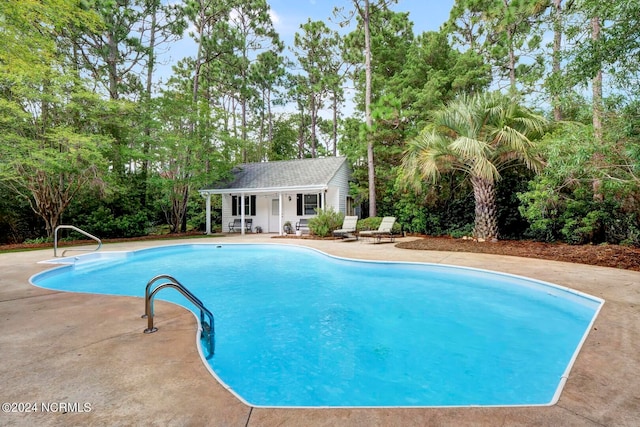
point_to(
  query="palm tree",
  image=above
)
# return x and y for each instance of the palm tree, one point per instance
(479, 135)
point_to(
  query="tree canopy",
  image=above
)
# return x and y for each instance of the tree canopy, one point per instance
(93, 132)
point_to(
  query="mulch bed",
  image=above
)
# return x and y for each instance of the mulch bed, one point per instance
(605, 255)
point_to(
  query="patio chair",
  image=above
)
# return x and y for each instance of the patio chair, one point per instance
(236, 225)
(348, 228)
(384, 231)
(302, 225)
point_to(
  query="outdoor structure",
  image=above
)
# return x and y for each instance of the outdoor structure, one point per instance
(272, 193)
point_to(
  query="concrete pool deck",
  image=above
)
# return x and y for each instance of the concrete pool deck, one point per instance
(82, 359)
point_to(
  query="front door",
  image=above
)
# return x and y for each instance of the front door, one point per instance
(274, 218)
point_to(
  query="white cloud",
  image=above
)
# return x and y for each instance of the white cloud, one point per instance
(275, 18)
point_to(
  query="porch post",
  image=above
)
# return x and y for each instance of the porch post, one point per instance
(208, 213)
(280, 213)
(242, 212)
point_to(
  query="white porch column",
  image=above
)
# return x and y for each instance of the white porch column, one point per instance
(280, 213)
(208, 213)
(242, 212)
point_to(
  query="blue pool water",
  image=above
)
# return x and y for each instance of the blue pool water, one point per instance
(296, 327)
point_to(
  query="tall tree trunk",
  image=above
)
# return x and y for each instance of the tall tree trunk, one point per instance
(269, 118)
(243, 103)
(596, 85)
(314, 123)
(512, 61)
(178, 214)
(114, 95)
(243, 127)
(335, 124)
(197, 68)
(147, 127)
(112, 66)
(301, 132)
(367, 106)
(486, 212)
(183, 211)
(555, 67)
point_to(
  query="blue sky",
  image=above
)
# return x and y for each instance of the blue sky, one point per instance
(288, 15)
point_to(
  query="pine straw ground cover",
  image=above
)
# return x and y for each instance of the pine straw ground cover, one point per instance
(617, 256)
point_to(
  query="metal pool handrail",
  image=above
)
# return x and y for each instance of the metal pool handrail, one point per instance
(55, 240)
(208, 330)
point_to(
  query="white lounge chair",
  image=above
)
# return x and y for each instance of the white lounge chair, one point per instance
(384, 231)
(348, 228)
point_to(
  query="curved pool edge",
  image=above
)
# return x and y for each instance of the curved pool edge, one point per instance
(565, 376)
(99, 255)
(109, 255)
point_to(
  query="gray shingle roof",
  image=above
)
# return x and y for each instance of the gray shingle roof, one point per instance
(282, 174)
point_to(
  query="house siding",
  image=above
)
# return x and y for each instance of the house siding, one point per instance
(339, 187)
(226, 212)
(335, 197)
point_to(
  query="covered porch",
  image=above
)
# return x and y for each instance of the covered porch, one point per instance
(267, 208)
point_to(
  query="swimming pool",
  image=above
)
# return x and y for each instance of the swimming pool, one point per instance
(297, 328)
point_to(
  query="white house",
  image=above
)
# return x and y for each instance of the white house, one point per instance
(271, 193)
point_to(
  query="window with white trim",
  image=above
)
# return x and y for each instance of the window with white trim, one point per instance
(249, 205)
(307, 204)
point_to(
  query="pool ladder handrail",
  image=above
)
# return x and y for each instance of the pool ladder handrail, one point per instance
(207, 328)
(74, 228)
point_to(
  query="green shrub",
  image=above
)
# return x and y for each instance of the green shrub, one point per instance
(544, 207)
(39, 240)
(371, 223)
(325, 222)
(578, 231)
(624, 228)
(104, 224)
(575, 216)
(458, 233)
(413, 217)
